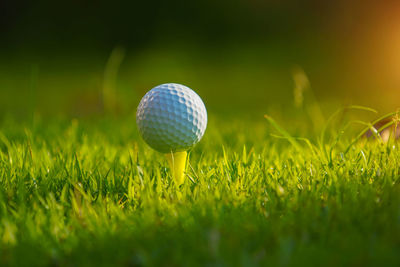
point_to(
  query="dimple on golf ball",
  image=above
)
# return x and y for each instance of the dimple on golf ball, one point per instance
(171, 117)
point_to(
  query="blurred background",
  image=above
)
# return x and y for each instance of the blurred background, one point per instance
(83, 58)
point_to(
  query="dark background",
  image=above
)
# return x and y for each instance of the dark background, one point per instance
(80, 58)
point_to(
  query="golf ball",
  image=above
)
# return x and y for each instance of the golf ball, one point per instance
(171, 117)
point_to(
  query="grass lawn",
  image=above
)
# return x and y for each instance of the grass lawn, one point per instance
(91, 193)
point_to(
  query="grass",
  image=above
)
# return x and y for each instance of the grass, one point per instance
(91, 193)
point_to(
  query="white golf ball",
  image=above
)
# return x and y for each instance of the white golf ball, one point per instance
(171, 117)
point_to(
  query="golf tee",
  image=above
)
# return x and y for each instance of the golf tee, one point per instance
(177, 163)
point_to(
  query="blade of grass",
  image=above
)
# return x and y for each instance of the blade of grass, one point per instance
(368, 128)
(284, 133)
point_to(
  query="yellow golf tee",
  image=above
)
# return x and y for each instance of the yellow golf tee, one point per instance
(177, 163)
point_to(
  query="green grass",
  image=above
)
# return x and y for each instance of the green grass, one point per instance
(90, 192)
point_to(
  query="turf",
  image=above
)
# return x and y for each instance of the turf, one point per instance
(91, 193)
